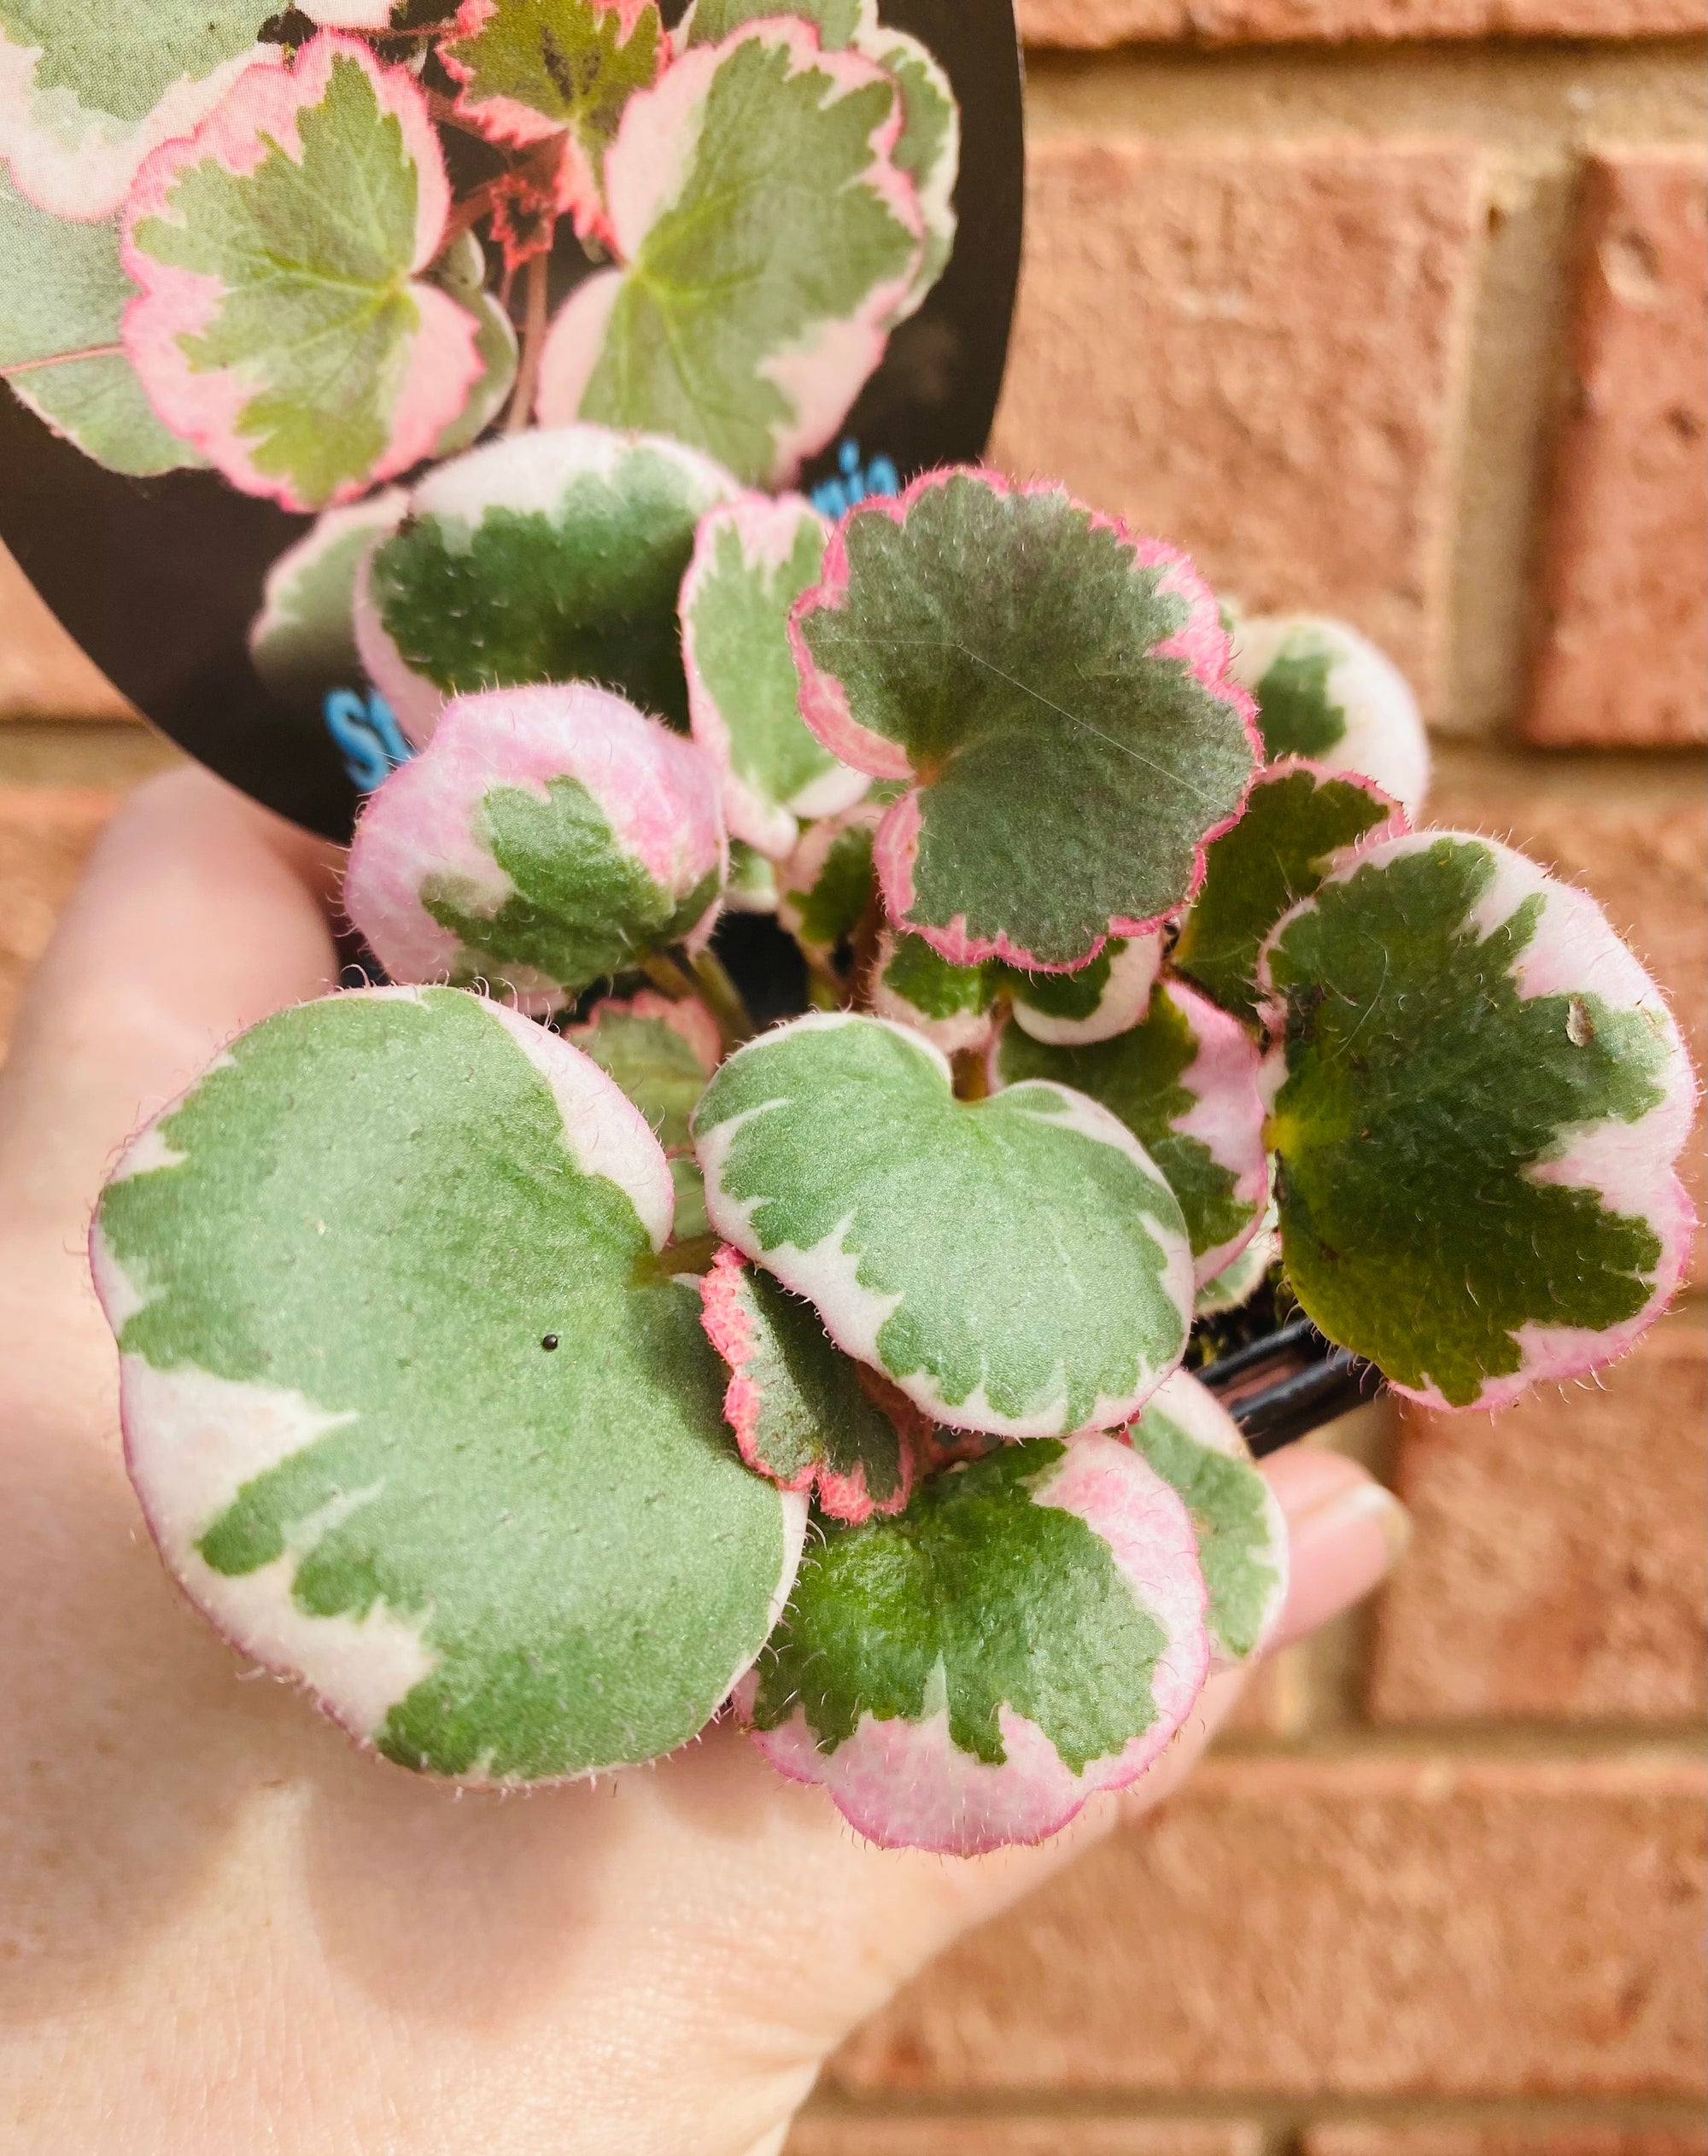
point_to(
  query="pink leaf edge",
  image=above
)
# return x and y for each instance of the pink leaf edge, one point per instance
(689, 1019)
(1228, 1112)
(906, 1784)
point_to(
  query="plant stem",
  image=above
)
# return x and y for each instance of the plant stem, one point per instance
(533, 347)
(723, 999)
(972, 1079)
(667, 977)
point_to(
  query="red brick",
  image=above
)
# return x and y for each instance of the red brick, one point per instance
(1094, 23)
(1559, 1564)
(1077, 2136)
(44, 833)
(1377, 1927)
(1355, 2139)
(43, 674)
(1623, 653)
(1255, 350)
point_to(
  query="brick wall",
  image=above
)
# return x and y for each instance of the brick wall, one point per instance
(1392, 307)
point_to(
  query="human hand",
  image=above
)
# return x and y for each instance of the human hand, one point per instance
(222, 1928)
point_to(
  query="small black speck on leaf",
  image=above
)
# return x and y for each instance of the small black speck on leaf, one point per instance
(549, 1342)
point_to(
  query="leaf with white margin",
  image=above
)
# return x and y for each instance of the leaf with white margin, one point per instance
(461, 272)
(1197, 1448)
(661, 1054)
(1056, 693)
(927, 149)
(767, 238)
(1239, 1280)
(303, 642)
(529, 70)
(804, 1414)
(1103, 999)
(337, 1268)
(825, 884)
(1479, 1097)
(752, 884)
(1298, 818)
(539, 558)
(1325, 693)
(1185, 1082)
(1029, 1632)
(545, 839)
(282, 322)
(953, 1006)
(752, 559)
(63, 293)
(1014, 1265)
(88, 89)
(837, 22)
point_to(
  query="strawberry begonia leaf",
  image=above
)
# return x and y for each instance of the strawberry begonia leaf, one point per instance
(752, 884)
(767, 238)
(825, 884)
(1481, 1099)
(532, 69)
(1056, 692)
(63, 298)
(751, 561)
(461, 272)
(540, 558)
(1015, 1265)
(303, 642)
(928, 148)
(544, 840)
(660, 1053)
(413, 1414)
(1297, 819)
(1196, 1448)
(1239, 1280)
(282, 323)
(1103, 999)
(1029, 1631)
(837, 22)
(1185, 1084)
(953, 1006)
(1325, 693)
(88, 89)
(804, 1413)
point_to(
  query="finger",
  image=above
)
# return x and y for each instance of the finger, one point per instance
(198, 914)
(1345, 1533)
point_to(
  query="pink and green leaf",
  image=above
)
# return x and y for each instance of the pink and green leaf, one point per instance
(1017, 1264)
(1029, 1632)
(414, 1414)
(1055, 691)
(1106, 997)
(660, 1053)
(804, 1414)
(545, 839)
(1184, 1083)
(1298, 820)
(827, 884)
(303, 640)
(1324, 692)
(282, 323)
(752, 884)
(766, 236)
(1479, 1099)
(461, 272)
(928, 148)
(953, 1006)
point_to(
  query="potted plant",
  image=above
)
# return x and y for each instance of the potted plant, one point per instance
(533, 1356)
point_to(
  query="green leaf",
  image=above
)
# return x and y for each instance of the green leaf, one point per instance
(707, 22)
(953, 1006)
(1296, 820)
(768, 237)
(1185, 1084)
(927, 149)
(461, 272)
(1029, 1631)
(1326, 693)
(539, 558)
(1099, 1000)
(1015, 1265)
(62, 294)
(531, 69)
(337, 1269)
(1194, 1445)
(1239, 1280)
(1056, 692)
(660, 1053)
(827, 884)
(752, 560)
(545, 839)
(804, 1413)
(303, 642)
(283, 326)
(1483, 1098)
(752, 884)
(88, 89)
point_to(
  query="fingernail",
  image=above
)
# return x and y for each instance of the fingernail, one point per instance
(1342, 1549)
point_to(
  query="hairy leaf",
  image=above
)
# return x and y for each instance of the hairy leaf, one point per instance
(1194, 1445)
(752, 884)
(752, 559)
(660, 1053)
(544, 840)
(1239, 1280)
(804, 1413)
(412, 1414)
(953, 1006)
(1029, 1631)
(540, 558)
(1481, 1100)
(1103, 999)
(282, 323)
(1055, 691)
(1184, 1083)
(1326, 693)
(768, 236)
(1298, 818)
(825, 884)
(303, 642)
(1015, 1265)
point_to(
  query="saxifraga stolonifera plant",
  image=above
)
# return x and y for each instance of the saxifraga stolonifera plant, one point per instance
(531, 1359)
